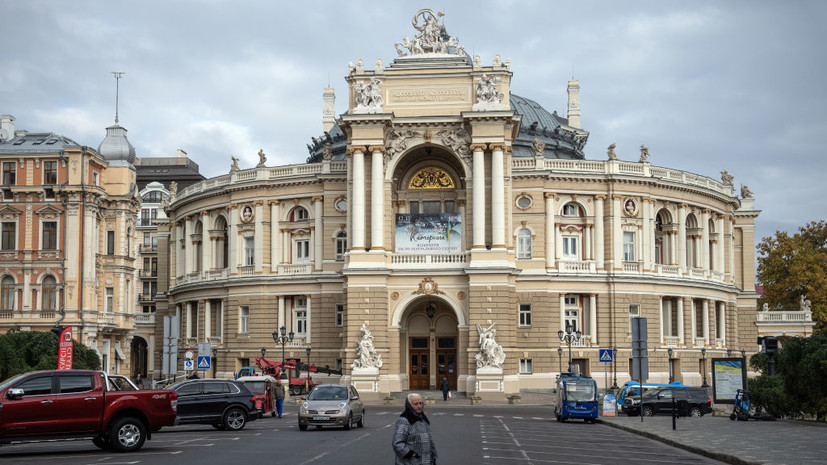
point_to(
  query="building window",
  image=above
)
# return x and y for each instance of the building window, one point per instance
(153, 197)
(49, 172)
(303, 250)
(249, 251)
(147, 239)
(525, 315)
(524, 202)
(628, 246)
(340, 315)
(9, 235)
(49, 235)
(571, 248)
(301, 322)
(525, 366)
(524, 244)
(9, 173)
(110, 299)
(244, 320)
(96, 178)
(571, 209)
(48, 290)
(634, 312)
(110, 242)
(7, 293)
(572, 312)
(300, 214)
(341, 245)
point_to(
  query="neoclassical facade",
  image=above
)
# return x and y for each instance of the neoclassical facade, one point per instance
(463, 226)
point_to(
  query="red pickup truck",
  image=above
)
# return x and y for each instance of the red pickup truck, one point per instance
(82, 403)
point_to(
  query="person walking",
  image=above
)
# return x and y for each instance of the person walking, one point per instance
(413, 443)
(279, 397)
(446, 388)
(139, 381)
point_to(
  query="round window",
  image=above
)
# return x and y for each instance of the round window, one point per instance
(524, 201)
(341, 205)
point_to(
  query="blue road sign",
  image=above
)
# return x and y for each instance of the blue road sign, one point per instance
(606, 355)
(189, 365)
(203, 362)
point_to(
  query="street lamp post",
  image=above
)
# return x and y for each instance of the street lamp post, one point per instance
(569, 337)
(560, 358)
(283, 337)
(671, 373)
(703, 365)
(614, 366)
(307, 380)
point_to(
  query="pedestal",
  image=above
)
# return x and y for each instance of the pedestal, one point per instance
(489, 383)
(366, 381)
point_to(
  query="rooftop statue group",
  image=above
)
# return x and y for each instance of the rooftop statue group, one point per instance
(431, 38)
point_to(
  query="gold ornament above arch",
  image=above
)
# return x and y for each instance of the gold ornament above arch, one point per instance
(431, 178)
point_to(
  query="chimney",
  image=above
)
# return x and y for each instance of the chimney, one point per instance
(6, 127)
(328, 116)
(180, 153)
(574, 104)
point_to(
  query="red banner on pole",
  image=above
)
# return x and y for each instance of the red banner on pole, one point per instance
(64, 349)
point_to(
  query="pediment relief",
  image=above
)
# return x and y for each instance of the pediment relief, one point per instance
(9, 213)
(48, 212)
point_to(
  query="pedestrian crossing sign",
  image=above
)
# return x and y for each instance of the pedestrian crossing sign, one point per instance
(203, 362)
(606, 355)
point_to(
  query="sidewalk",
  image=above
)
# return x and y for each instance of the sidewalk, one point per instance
(736, 442)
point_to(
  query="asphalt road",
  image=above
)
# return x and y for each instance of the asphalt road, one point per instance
(488, 435)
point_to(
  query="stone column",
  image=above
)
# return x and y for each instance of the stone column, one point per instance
(281, 311)
(497, 197)
(682, 237)
(461, 209)
(377, 199)
(206, 240)
(308, 321)
(647, 239)
(681, 337)
(258, 239)
(318, 232)
(189, 248)
(207, 320)
(719, 245)
(563, 312)
(232, 239)
(617, 234)
(587, 242)
(358, 154)
(662, 319)
(705, 240)
(550, 230)
(705, 304)
(178, 245)
(593, 319)
(275, 236)
(694, 319)
(598, 231)
(722, 319)
(478, 186)
(668, 322)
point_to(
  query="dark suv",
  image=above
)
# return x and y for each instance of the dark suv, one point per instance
(689, 401)
(223, 403)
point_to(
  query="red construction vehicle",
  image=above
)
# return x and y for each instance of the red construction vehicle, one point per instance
(298, 384)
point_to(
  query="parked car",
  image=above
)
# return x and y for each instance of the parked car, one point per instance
(264, 388)
(82, 403)
(332, 405)
(632, 388)
(223, 403)
(691, 401)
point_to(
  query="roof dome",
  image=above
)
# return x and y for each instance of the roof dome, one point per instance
(560, 139)
(115, 146)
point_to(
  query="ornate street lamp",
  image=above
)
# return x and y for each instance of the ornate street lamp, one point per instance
(282, 337)
(560, 357)
(671, 373)
(703, 365)
(263, 352)
(307, 380)
(614, 367)
(430, 310)
(569, 337)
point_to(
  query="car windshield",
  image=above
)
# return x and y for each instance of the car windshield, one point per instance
(120, 383)
(328, 393)
(256, 386)
(580, 391)
(652, 393)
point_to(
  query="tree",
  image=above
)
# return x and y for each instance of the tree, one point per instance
(792, 266)
(22, 351)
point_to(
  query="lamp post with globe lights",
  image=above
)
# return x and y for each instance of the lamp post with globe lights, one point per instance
(568, 337)
(283, 337)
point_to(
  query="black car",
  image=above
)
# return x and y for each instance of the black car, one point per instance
(223, 403)
(689, 401)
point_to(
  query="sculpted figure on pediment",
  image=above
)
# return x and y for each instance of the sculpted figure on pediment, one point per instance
(398, 140)
(457, 140)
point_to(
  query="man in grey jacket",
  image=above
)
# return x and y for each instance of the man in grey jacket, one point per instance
(413, 442)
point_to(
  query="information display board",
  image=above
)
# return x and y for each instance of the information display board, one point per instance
(728, 375)
(429, 234)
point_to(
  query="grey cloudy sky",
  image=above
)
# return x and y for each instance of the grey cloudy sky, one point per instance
(706, 85)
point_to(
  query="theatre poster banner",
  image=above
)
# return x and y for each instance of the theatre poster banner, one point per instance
(429, 234)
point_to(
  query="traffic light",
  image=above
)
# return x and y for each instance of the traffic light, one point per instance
(769, 345)
(57, 330)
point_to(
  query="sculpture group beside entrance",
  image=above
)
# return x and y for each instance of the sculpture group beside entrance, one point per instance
(366, 356)
(491, 354)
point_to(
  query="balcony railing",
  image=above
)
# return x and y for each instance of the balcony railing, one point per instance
(669, 270)
(784, 317)
(576, 266)
(631, 267)
(413, 260)
(146, 297)
(6, 315)
(144, 318)
(671, 341)
(149, 273)
(288, 269)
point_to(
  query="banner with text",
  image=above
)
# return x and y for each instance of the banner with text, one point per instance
(64, 349)
(429, 234)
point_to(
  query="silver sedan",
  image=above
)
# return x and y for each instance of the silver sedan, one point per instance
(332, 405)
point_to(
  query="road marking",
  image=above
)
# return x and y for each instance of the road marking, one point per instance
(115, 463)
(478, 416)
(314, 458)
(459, 414)
(516, 442)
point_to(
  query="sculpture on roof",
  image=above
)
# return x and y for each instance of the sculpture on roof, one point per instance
(234, 166)
(644, 154)
(745, 192)
(366, 356)
(431, 38)
(262, 158)
(611, 153)
(491, 354)
(368, 96)
(327, 151)
(538, 147)
(488, 97)
(173, 188)
(726, 178)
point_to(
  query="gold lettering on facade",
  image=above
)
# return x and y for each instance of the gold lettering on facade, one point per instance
(428, 95)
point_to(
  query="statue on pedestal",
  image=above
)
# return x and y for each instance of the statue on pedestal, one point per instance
(491, 354)
(366, 356)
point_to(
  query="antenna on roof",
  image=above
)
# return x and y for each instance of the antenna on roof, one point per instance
(118, 75)
(572, 72)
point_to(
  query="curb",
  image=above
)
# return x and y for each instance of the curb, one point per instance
(695, 450)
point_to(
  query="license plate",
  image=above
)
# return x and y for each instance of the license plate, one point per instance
(321, 418)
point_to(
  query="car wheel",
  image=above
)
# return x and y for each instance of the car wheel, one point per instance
(361, 422)
(732, 416)
(695, 412)
(648, 411)
(349, 421)
(127, 434)
(102, 443)
(302, 427)
(234, 419)
(295, 390)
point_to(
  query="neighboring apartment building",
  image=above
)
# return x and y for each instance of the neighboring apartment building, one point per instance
(441, 207)
(68, 217)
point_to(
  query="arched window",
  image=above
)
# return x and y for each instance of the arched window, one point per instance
(711, 245)
(7, 293)
(572, 209)
(341, 245)
(48, 292)
(199, 228)
(524, 244)
(692, 241)
(222, 250)
(299, 214)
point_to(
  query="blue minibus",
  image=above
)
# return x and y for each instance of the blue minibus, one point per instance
(576, 398)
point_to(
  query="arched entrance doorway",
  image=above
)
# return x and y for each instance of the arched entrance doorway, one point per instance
(430, 336)
(139, 356)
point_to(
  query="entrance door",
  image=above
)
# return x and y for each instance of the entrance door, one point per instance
(446, 356)
(419, 369)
